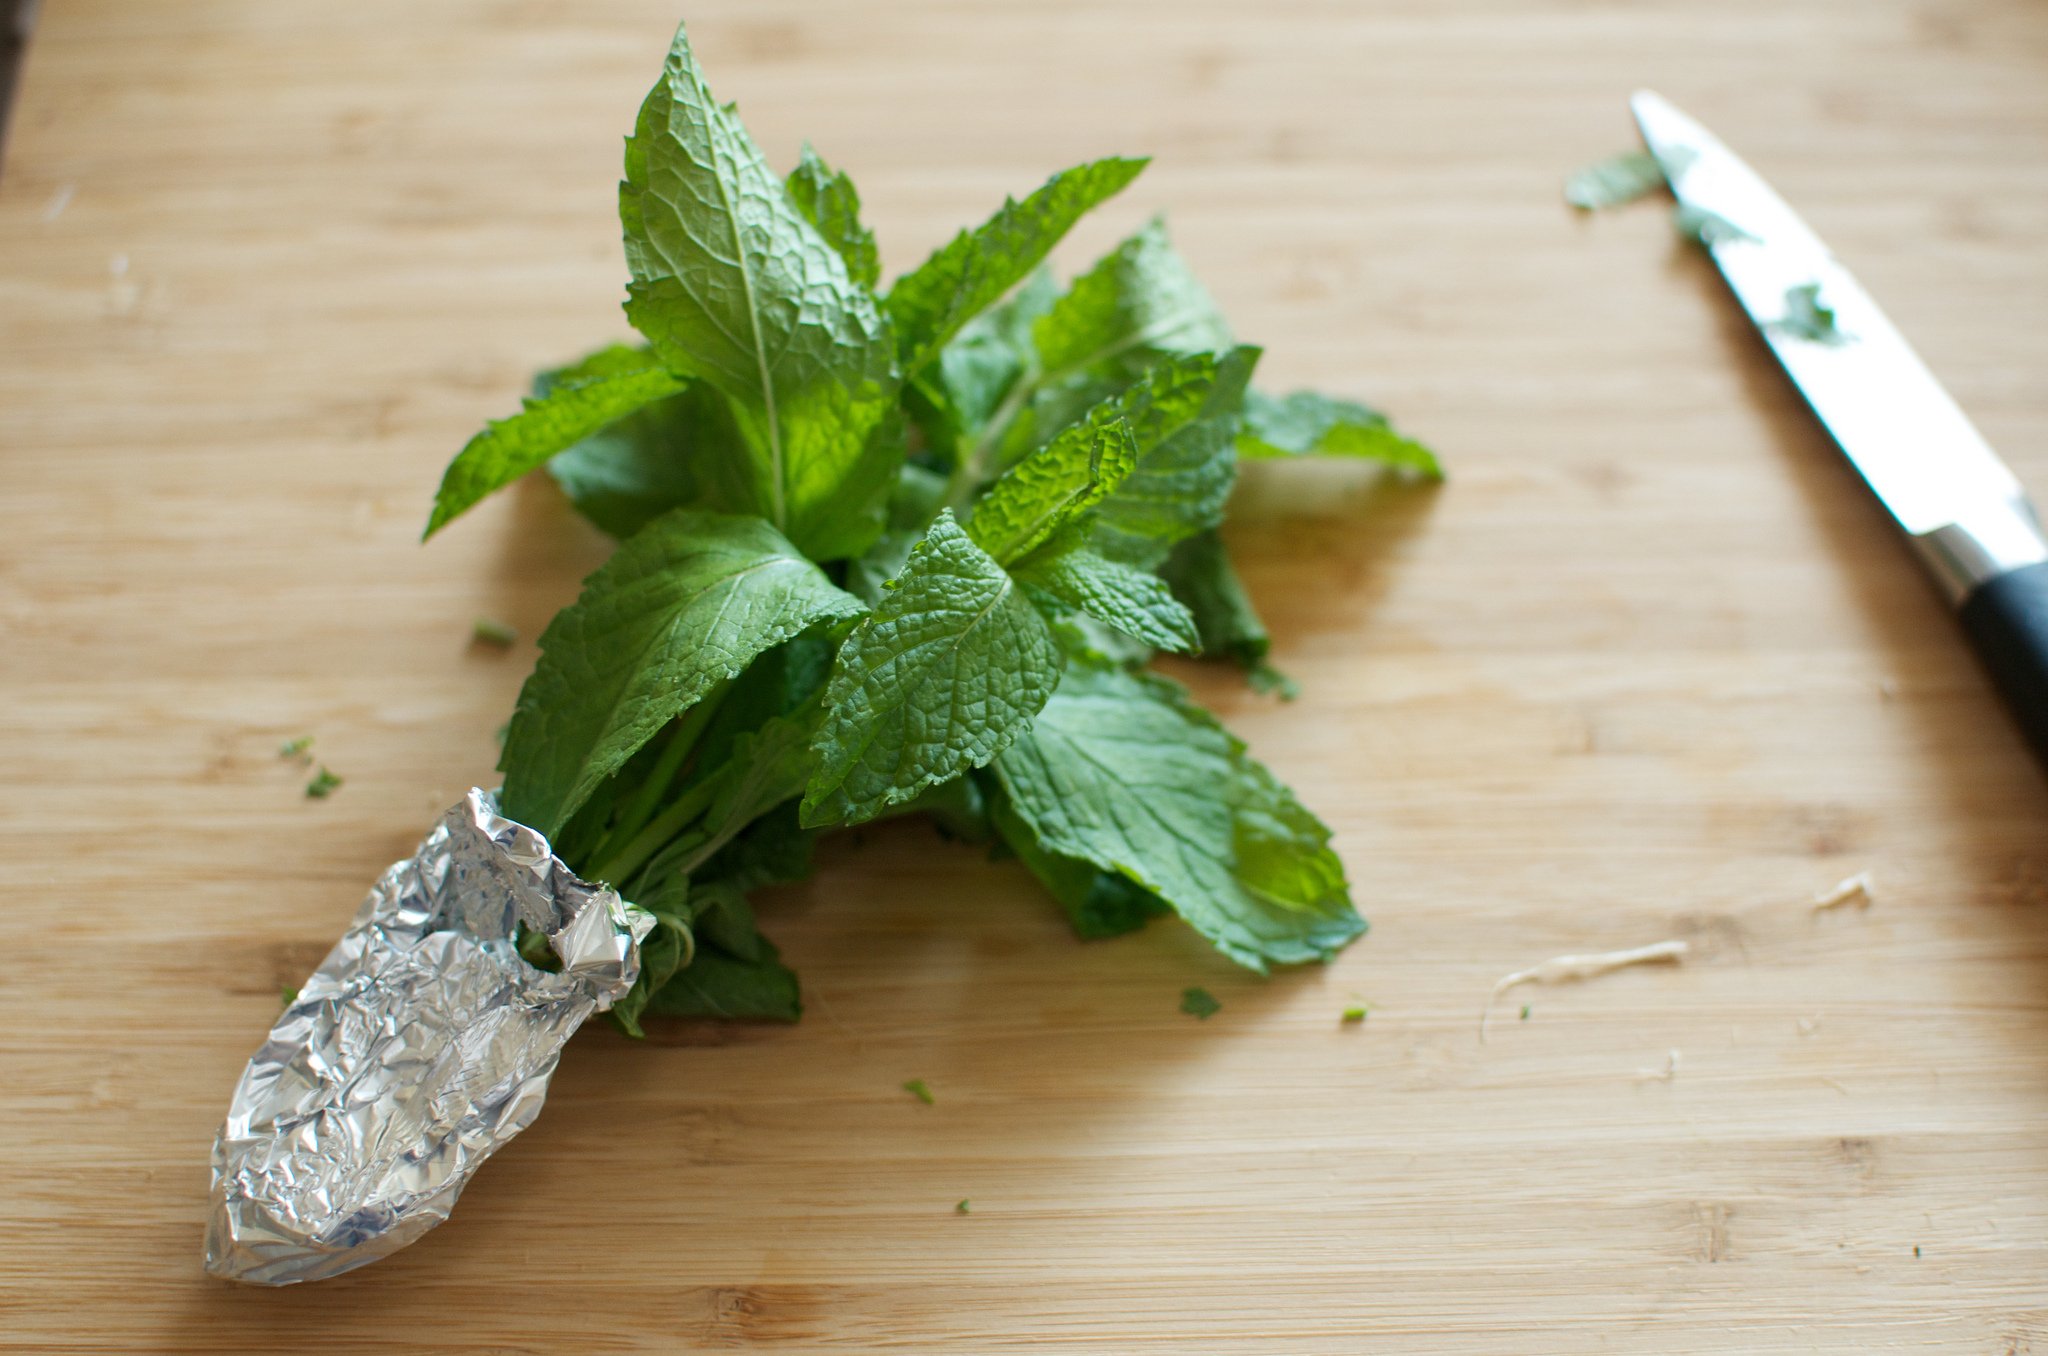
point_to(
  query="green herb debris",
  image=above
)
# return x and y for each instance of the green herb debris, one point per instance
(917, 1088)
(1705, 227)
(1808, 317)
(1199, 1003)
(298, 750)
(323, 785)
(1357, 1012)
(1526, 1009)
(1615, 181)
(888, 551)
(962, 1208)
(494, 633)
(287, 995)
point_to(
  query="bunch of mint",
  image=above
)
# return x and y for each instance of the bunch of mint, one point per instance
(890, 552)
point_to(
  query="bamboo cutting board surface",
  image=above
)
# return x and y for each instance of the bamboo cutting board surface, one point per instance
(1651, 665)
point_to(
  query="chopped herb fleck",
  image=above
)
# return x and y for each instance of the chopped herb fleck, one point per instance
(299, 749)
(1525, 1012)
(286, 996)
(323, 785)
(1199, 1003)
(962, 1209)
(1705, 227)
(1916, 1252)
(918, 1088)
(495, 633)
(1615, 181)
(1357, 1012)
(1808, 317)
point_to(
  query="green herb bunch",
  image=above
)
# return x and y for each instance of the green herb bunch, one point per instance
(888, 552)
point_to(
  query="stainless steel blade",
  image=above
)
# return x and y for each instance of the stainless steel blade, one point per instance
(1933, 471)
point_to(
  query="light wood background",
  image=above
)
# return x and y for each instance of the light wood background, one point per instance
(1650, 665)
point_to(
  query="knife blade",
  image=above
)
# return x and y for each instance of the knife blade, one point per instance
(1964, 511)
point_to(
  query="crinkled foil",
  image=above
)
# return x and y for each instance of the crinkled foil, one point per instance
(420, 1046)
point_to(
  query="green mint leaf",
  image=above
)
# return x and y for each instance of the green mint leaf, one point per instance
(1133, 601)
(1615, 181)
(733, 286)
(715, 984)
(1122, 771)
(1705, 227)
(1199, 1003)
(685, 603)
(943, 674)
(605, 387)
(323, 785)
(1808, 317)
(1304, 424)
(1138, 306)
(1051, 487)
(1098, 903)
(1201, 576)
(682, 452)
(993, 352)
(917, 1088)
(773, 850)
(1184, 417)
(974, 269)
(1139, 303)
(828, 200)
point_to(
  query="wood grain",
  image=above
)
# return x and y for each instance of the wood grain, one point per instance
(1651, 665)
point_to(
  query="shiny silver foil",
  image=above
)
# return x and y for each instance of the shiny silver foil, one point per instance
(420, 1046)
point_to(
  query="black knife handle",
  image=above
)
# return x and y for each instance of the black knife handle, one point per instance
(2007, 619)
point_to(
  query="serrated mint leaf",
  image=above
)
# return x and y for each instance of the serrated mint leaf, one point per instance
(1184, 416)
(1098, 903)
(1132, 601)
(868, 576)
(943, 674)
(1137, 306)
(682, 452)
(974, 269)
(688, 601)
(1051, 487)
(605, 387)
(733, 286)
(1122, 771)
(1304, 424)
(1612, 182)
(1139, 303)
(1201, 576)
(1085, 640)
(829, 201)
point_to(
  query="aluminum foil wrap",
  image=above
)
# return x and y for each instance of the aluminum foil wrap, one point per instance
(420, 1046)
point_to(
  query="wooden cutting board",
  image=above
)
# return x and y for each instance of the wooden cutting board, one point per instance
(1650, 665)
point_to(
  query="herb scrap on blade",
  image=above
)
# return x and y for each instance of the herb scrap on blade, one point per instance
(902, 549)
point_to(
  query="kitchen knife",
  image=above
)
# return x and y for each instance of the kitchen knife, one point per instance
(1964, 512)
